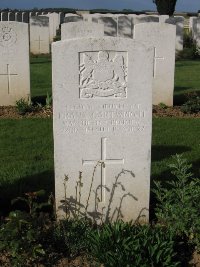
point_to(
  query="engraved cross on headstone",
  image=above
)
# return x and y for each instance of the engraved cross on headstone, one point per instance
(39, 42)
(155, 62)
(8, 74)
(104, 162)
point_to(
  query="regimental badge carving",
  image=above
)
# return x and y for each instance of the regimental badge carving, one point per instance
(103, 74)
(7, 36)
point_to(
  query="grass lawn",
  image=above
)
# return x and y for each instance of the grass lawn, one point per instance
(186, 79)
(40, 68)
(26, 152)
(26, 157)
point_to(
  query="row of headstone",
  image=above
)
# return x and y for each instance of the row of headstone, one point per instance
(14, 64)
(123, 25)
(24, 16)
(102, 93)
(159, 35)
(14, 16)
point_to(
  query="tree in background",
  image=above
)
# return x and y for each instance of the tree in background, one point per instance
(165, 7)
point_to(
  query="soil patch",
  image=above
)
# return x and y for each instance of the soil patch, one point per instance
(12, 113)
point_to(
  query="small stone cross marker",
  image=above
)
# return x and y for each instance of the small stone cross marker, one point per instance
(104, 162)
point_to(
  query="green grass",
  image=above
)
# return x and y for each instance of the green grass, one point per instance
(174, 136)
(26, 157)
(26, 152)
(40, 68)
(186, 79)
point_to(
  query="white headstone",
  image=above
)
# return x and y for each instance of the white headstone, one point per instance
(179, 23)
(110, 24)
(198, 31)
(191, 22)
(39, 35)
(81, 29)
(125, 26)
(162, 37)
(53, 25)
(103, 116)
(4, 16)
(145, 18)
(11, 16)
(162, 18)
(72, 18)
(14, 63)
(18, 16)
(25, 17)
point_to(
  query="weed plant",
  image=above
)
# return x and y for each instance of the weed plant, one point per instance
(24, 106)
(179, 202)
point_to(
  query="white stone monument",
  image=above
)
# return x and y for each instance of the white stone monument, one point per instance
(162, 37)
(102, 91)
(110, 24)
(53, 24)
(4, 16)
(14, 63)
(25, 17)
(18, 16)
(125, 27)
(178, 21)
(145, 18)
(72, 18)
(162, 18)
(39, 35)
(81, 29)
(198, 32)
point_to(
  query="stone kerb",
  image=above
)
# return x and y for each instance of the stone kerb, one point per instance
(14, 64)
(162, 37)
(179, 23)
(39, 35)
(102, 91)
(81, 29)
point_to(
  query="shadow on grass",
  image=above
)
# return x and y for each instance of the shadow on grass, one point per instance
(45, 61)
(181, 98)
(9, 191)
(160, 152)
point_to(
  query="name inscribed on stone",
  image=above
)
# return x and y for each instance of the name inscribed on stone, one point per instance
(103, 118)
(103, 74)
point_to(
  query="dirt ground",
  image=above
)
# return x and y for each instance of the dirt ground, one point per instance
(11, 113)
